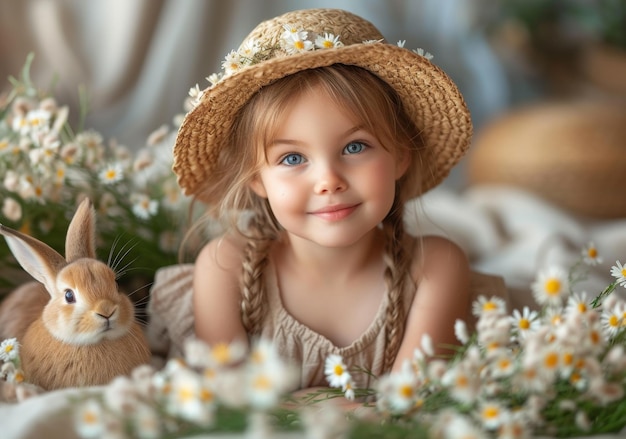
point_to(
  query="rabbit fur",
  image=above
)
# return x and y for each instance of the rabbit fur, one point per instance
(74, 326)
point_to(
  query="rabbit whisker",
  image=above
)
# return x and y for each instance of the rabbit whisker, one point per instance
(121, 255)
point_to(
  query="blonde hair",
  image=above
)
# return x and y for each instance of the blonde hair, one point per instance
(371, 101)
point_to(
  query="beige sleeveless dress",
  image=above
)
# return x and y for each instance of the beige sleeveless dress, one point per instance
(171, 322)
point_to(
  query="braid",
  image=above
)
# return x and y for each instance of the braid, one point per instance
(253, 268)
(397, 266)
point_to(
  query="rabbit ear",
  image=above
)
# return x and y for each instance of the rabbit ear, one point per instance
(38, 259)
(80, 241)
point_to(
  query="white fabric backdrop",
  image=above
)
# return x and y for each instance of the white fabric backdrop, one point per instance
(138, 58)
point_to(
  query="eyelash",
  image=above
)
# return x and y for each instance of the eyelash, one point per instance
(283, 160)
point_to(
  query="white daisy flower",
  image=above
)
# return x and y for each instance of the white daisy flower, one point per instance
(297, 45)
(530, 380)
(146, 422)
(482, 305)
(292, 32)
(336, 371)
(11, 209)
(577, 304)
(491, 415)
(39, 120)
(590, 254)
(89, 419)
(263, 352)
(248, 50)
(225, 354)
(20, 125)
(143, 206)
(348, 390)
(422, 52)
(551, 286)
(373, 41)
(503, 365)
(463, 383)
(9, 350)
(232, 63)
(214, 78)
(595, 339)
(399, 390)
(524, 322)
(401, 43)
(111, 174)
(190, 398)
(264, 386)
(327, 41)
(618, 271)
(554, 316)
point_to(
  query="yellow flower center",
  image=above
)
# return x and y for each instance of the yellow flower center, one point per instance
(592, 252)
(490, 412)
(461, 381)
(110, 174)
(328, 44)
(3, 144)
(338, 370)
(406, 391)
(490, 306)
(552, 286)
(221, 353)
(299, 45)
(582, 307)
(8, 348)
(624, 271)
(90, 418)
(524, 324)
(613, 321)
(551, 360)
(262, 382)
(504, 363)
(206, 395)
(185, 394)
(568, 358)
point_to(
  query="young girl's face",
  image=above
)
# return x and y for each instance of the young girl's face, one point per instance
(327, 179)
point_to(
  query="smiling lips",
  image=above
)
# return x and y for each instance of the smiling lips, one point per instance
(336, 212)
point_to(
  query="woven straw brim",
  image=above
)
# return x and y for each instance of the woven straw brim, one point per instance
(430, 98)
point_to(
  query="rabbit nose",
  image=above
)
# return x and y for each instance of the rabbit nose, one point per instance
(106, 310)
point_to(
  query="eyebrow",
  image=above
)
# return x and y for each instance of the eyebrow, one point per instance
(352, 130)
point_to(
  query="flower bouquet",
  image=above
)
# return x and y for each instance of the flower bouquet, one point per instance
(47, 167)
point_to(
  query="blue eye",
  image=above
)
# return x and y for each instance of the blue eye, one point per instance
(354, 148)
(292, 160)
(69, 296)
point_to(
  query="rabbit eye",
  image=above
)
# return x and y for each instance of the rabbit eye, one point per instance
(69, 296)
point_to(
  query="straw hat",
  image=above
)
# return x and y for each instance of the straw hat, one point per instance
(285, 45)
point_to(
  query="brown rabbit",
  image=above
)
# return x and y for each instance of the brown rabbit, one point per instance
(74, 327)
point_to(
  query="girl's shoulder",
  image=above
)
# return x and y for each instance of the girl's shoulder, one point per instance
(224, 252)
(435, 253)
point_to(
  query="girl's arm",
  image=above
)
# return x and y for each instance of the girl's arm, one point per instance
(442, 296)
(216, 295)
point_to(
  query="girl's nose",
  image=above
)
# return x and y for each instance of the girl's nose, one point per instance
(330, 181)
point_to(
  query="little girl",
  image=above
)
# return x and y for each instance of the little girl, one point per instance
(309, 143)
